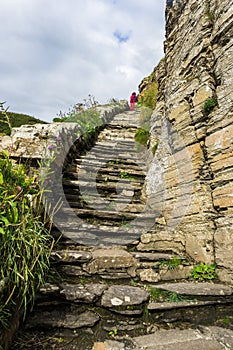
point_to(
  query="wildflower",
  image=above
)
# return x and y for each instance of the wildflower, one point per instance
(51, 146)
(59, 138)
(19, 188)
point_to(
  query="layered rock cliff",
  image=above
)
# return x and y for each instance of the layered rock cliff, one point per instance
(190, 176)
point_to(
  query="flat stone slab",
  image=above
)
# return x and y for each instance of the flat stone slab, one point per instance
(176, 305)
(207, 338)
(208, 289)
(179, 340)
(121, 295)
(152, 256)
(71, 256)
(112, 258)
(62, 319)
(82, 293)
(109, 344)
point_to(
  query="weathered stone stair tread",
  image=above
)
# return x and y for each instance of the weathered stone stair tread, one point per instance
(105, 214)
(103, 161)
(112, 149)
(205, 338)
(128, 159)
(114, 168)
(160, 306)
(105, 225)
(114, 176)
(94, 234)
(201, 338)
(99, 206)
(204, 288)
(94, 185)
(95, 200)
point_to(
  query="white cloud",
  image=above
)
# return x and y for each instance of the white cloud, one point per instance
(55, 52)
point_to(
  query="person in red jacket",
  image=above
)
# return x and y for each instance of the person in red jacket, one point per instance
(133, 100)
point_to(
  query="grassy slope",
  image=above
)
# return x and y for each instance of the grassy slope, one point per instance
(17, 119)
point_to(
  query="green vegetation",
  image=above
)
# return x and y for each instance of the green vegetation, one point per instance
(154, 147)
(9, 120)
(113, 332)
(25, 241)
(160, 295)
(85, 114)
(226, 321)
(209, 15)
(112, 162)
(209, 105)
(204, 272)
(141, 136)
(124, 175)
(172, 263)
(148, 98)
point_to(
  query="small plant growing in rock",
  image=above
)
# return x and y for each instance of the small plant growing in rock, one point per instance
(209, 15)
(155, 293)
(209, 105)
(204, 272)
(148, 97)
(154, 147)
(226, 321)
(142, 136)
(113, 332)
(133, 283)
(171, 264)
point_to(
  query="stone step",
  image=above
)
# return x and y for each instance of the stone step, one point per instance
(91, 186)
(75, 196)
(119, 207)
(103, 159)
(105, 214)
(127, 161)
(201, 338)
(197, 289)
(106, 175)
(112, 166)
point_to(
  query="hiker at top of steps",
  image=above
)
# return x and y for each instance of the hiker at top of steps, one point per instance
(133, 100)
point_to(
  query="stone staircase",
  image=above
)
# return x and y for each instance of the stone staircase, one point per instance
(104, 189)
(103, 292)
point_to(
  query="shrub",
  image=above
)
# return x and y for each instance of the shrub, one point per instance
(141, 136)
(25, 241)
(209, 105)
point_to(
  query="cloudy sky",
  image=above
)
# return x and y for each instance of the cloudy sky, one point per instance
(54, 53)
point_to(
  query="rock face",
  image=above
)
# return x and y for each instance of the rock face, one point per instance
(190, 176)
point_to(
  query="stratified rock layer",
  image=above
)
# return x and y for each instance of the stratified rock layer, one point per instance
(190, 176)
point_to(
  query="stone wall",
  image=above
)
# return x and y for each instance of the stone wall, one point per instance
(40, 141)
(190, 176)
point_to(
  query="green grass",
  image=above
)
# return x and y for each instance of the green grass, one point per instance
(160, 295)
(172, 263)
(15, 120)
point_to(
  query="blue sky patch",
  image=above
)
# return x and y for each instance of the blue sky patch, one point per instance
(122, 38)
